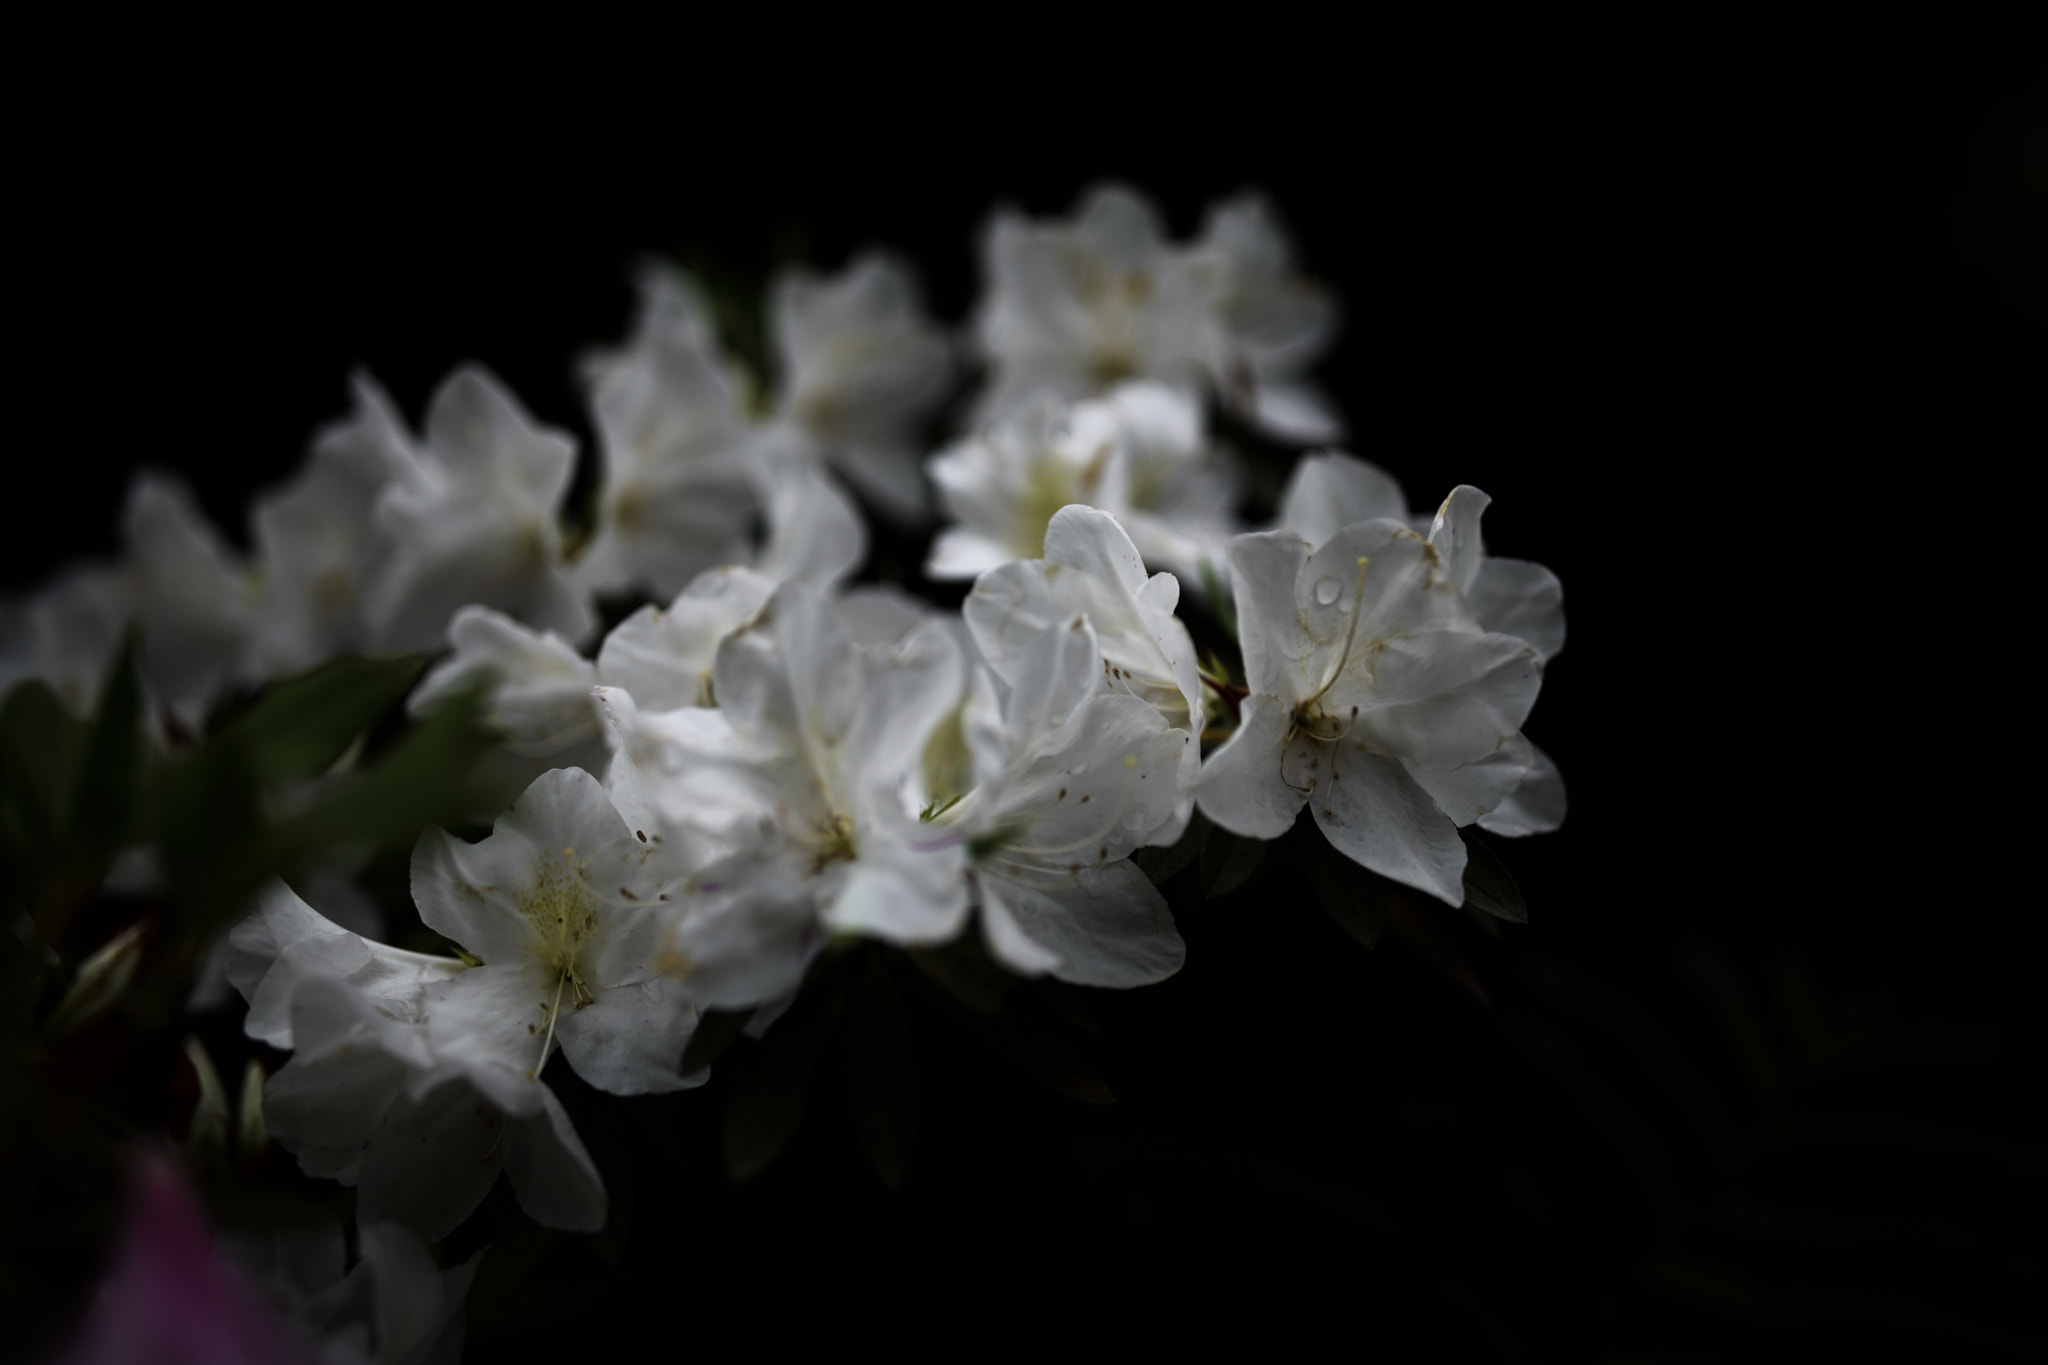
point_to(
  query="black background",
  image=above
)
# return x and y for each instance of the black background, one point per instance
(1736, 311)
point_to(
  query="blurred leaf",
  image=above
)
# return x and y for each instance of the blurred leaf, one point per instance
(1044, 1056)
(1426, 932)
(965, 972)
(714, 1033)
(41, 748)
(1162, 865)
(103, 807)
(878, 1071)
(773, 1096)
(1488, 884)
(300, 727)
(1228, 860)
(1352, 896)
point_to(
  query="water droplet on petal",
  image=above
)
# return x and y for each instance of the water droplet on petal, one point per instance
(1327, 589)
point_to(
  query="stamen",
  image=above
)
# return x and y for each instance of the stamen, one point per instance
(554, 1013)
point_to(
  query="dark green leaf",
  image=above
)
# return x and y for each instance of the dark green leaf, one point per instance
(41, 748)
(714, 1033)
(1162, 865)
(300, 727)
(774, 1092)
(1038, 1051)
(878, 1071)
(1354, 897)
(103, 806)
(1228, 860)
(964, 971)
(1488, 884)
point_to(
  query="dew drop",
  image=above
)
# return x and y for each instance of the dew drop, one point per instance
(1327, 589)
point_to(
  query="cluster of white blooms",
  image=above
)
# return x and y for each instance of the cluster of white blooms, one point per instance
(764, 758)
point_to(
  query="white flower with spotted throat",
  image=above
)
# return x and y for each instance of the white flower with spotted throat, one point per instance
(1374, 699)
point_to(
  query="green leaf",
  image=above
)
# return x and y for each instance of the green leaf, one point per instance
(773, 1096)
(1228, 860)
(300, 727)
(103, 806)
(41, 748)
(1488, 884)
(1162, 865)
(878, 1072)
(1357, 899)
(714, 1033)
(965, 972)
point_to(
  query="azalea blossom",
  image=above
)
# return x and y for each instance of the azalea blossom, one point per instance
(538, 694)
(1139, 453)
(473, 521)
(419, 1116)
(811, 759)
(1269, 322)
(317, 545)
(193, 599)
(1091, 569)
(1067, 780)
(394, 1306)
(673, 447)
(858, 366)
(561, 903)
(1375, 699)
(1331, 490)
(1080, 306)
(66, 634)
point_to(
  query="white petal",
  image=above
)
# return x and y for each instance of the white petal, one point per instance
(1108, 926)
(1264, 569)
(630, 1040)
(1294, 412)
(1515, 597)
(1332, 490)
(432, 1160)
(664, 656)
(1375, 814)
(815, 533)
(1537, 806)
(1455, 535)
(1243, 787)
(557, 1182)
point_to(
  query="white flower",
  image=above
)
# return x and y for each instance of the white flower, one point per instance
(195, 602)
(1270, 324)
(316, 544)
(395, 1306)
(419, 1118)
(1375, 699)
(562, 903)
(1004, 484)
(1082, 305)
(1138, 453)
(539, 691)
(1091, 569)
(1330, 491)
(66, 634)
(473, 521)
(673, 432)
(1180, 491)
(1068, 780)
(859, 366)
(812, 760)
(662, 656)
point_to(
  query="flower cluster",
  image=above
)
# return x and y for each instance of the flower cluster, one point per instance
(763, 758)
